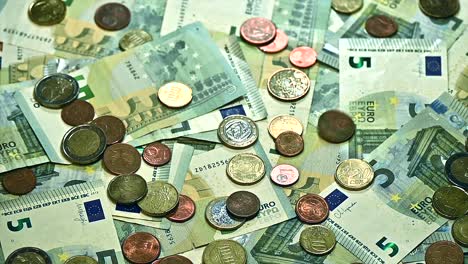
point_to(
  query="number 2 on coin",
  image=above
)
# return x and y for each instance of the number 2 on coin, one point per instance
(20, 224)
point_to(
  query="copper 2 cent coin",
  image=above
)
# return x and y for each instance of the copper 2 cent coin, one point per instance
(19, 182)
(113, 128)
(312, 209)
(122, 158)
(303, 57)
(446, 252)
(184, 211)
(381, 26)
(157, 154)
(77, 113)
(335, 126)
(112, 16)
(289, 144)
(175, 259)
(141, 248)
(258, 31)
(279, 44)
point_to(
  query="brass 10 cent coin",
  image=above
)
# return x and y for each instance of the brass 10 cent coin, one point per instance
(224, 252)
(258, 31)
(112, 16)
(439, 8)
(122, 158)
(284, 174)
(317, 240)
(134, 39)
(279, 44)
(354, 174)
(47, 12)
(175, 94)
(77, 113)
(141, 248)
(56, 90)
(288, 84)
(347, 6)
(381, 26)
(289, 144)
(30, 255)
(312, 209)
(81, 260)
(335, 126)
(284, 123)
(460, 231)
(218, 217)
(19, 181)
(84, 144)
(246, 168)
(161, 199)
(303, 57)
(112, 126)
(243, 204)
(175, 259)
(238, 131)
(450, 202)
(127, 189)
(456, 169)
(185, 210)
(157, 154)
(445, 252)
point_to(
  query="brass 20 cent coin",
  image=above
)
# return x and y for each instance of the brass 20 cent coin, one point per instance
(81, 260)
(175, 94)
(284, 123)
(141, 248)
(134, 39)
(335, 126)
(460, 230)
(312, 209)
(84, 144)
(289, 144)
(381, 26)
(450, 202)
(217, 216)
(224, 252)
(122, 158)
(288, 84)
(127, 189)
(30, 255)
(185, 210)
(258, 31)
(238, 131)
(77, 113)
(162, 198)
(19, 182)
(246, 168)
(157, 154)
(444, 252)
(47, 12)
(243, 204)
(347, 6)
(56, 90)
(439, 8)
(317, 240)
(354, 174)
(112, 126)
(112, 16)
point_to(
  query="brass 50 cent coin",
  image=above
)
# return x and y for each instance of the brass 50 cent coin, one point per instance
(439, 8)
(224, 252)
(127, 189)
(185, 210)
(289, 144)
(162, 198)
(450, 202)
(243, 204)
(381, 26)
(444, 252)
(347, 6)
(141, 248)
(238, 131)
(77, 113)
(112, 16)
(30, 255)
(284, 123)
(317, 240)
(19, 182)
(122, 158)
(81, 260)
(258, 31)
(312, 209)
(217, 216)
(47, 12)
(246, 168)
(335, 126)
(288, 84)
(84, 144)
(56, 90)
(112, 126)
(460, 231)
(354, 174)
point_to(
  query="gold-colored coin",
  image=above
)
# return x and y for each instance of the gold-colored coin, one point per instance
(175, 94)
(47, 12)
(134, 39)
(246, 168)
(460, 231)
(81, 260)
(224, 252)
(354, 174)
(317, 240)
(217, 216)
(450, 202)
(284, 123)
(161, 198)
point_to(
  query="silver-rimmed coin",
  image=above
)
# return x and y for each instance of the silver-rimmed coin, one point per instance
(288, 84)
(246, 168)
(127, 189)
(134, 39)
(56, 90)
(162, 198)
(218, 217)
(29, 255)
(81, 260)
(238, 131)
(456, 169)
(84, 144)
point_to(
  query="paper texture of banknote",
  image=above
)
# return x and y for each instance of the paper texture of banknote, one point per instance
(458, 68)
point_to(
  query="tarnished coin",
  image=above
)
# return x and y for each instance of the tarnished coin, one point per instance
(56, 90)
(354, 174)
(284, 123)
(224, 252)
(47, 12)
(217, 216)
(141, 248)
(312, 209)
(77, 113)
(346, 6)
(161, 198)
(157, 154)
(450, 202)
(112, 126)
(112, 16)
(175, 259)
(460, 231)
(279, 44)
(81, 260)
(289, 144)
(258, 31)
(127, 189)
(335, 126)
(456, 169)
(19, 182)
(439, 8)
(284, 174)
(29, 255)
(238, 131)
(303, 57)
(84, 144)
(317, 240)
(444, 252)
(246, 168)
(185, 210)
(175, 94)
(134, 39)
(381, 26)
(243, 204)
(122, 158)
(288, 84)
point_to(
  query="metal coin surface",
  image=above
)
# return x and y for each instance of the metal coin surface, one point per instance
(381, 26)
(450, 202)
(175, 94)
(284, 174)
(238, 131)
(56, 90)
(354, 174)
(218, 217)
(141, 248)
(279, 44)
(127, 189)
(456, 169)
(460, 231)
(157, 154)
(439, 8)
(289, 144)
(47, 12)
(224, 252)
(246, 168)
(112, 16)
(81, 260)
(466, 144)
(312, 209)
(161, 198)
(317, 240)
(175, 259)
(29, 255)
(84, 144)
(288, 84)
(258, 31)
(112, 126)
(134, 39)
(445, 252)
(284, 123)
(243, 204)
(347, 6)
(185, 210)
(303, 57)
(77, 113)
(19, 182)
(122, 158)
(335, 126)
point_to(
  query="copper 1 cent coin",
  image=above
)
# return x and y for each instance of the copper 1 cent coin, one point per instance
(335, 126)
(157, 154)
(279, 44)
(289, 144)
(446, 252)
(77, 113)
(312, 209)
(19, 182)
(112, 16)
(284, 174)
(381, 26)
(175, 259)
(113, 128)
(258, 31)
(303, 57)
(122, 158)
(243, 204)
(141, 248)
(184, 211)
(175, 94)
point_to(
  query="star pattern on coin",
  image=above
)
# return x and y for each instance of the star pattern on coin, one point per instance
(396, 197)
(63, 257)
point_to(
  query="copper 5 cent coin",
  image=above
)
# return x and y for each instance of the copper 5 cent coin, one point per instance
(243, 204)
(279, 44)
(112, 16)
(381, 26)
(77, 113)
(258, 31)
(445, 252)
(289, 144)
(284, 123)
(284, 174)
(113, 128)
(175, 259)
(122, 158)
(335, 126)
(157, 154)
(312, 209)
(19, 182)
(141, 248)
(303, 57)
(184, 211)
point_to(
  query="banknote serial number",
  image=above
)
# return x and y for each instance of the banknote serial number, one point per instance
(211, 165)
